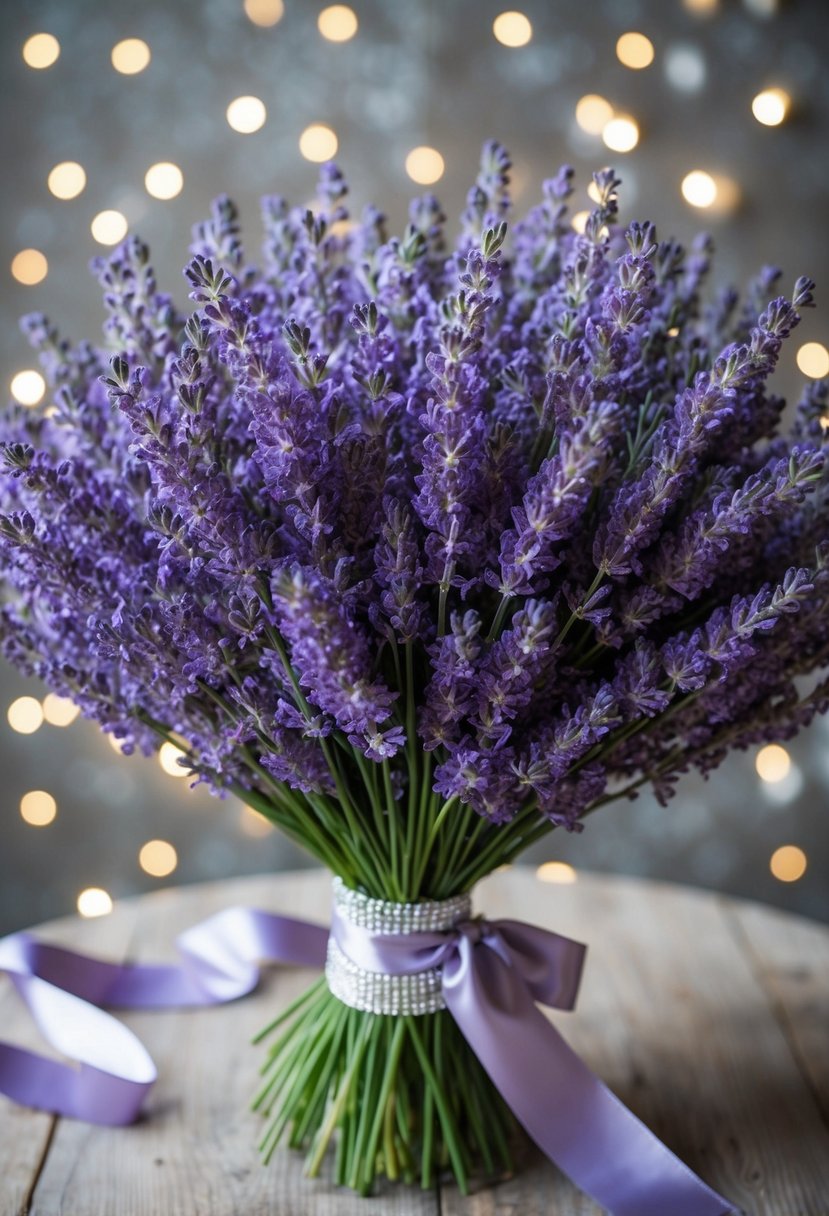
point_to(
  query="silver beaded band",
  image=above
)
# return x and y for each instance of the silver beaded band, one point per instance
(377, 992)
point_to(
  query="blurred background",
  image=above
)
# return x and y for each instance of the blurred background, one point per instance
(130, 117)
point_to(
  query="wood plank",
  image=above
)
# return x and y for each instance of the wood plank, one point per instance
(195, 1153)
(672, 1017)
(25, 1135)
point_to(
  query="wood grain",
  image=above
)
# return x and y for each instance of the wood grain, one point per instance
(706, 1015)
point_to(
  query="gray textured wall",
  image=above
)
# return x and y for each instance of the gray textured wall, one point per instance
(416, 73)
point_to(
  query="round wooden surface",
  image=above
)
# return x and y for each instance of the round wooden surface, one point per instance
(707, 1015)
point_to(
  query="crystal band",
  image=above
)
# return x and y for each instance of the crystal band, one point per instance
(378, 992)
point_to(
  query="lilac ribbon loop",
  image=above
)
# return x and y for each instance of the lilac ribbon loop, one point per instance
(492, 975)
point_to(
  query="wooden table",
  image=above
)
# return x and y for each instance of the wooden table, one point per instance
(708, 1016)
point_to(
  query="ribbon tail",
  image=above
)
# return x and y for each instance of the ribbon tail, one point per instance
(575, 1119)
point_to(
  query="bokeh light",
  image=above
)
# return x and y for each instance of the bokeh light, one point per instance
(164, 180)
(168, 757)
(59, 711)
(29, 266)
(685, 68)
(25, 715)
(246, 115)
(337, 23)
(109, 227)
(634, 50)
(773, 763)
(41, 51)
(813, 360)
(699, 188)
(788, 863)
(771, 107)
(264, 13)
(28, 387)
(130, 56)
(425, 165)
(157, 858)
(252, 823)
(556, 871)
(579, 220)
(318, 143)
(67, 179)
(704, 8)
(94, 901)
(38, 808)
(512, 28)
(621, 134)
(593, 113)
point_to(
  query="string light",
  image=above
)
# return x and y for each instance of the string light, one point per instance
(593, 113)
(556, 871)
(41, 51)
(25, 715)
(512, 29)
(264, 12)
(813, 360)
(621, 134)
(634, 51)
(246, 115)
(168, 757)
(788, 863)
(67, 179)
(771, 107)
(337, 23)
(28, 387)
(157, 858)
(772, 763)
(59, 711)
(699, 188)
(109, 227)
(318, 143)
(38, 809)
(164, 180)
(130, 56)
(29, 267)
(425, 165)
(94, 901)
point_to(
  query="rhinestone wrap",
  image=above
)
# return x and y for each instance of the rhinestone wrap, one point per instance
(377, 992)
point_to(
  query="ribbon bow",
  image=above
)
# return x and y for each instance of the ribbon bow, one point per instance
(492, 974)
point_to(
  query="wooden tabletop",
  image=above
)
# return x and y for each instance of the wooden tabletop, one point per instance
(709, 1017)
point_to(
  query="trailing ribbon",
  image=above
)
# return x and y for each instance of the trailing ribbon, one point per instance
(492, 974)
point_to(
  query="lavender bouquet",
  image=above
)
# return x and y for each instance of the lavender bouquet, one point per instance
(423, 551)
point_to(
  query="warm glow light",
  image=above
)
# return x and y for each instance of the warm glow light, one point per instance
(425, 165)
(772, 763)
(116, 744)
(94, 901)
(579, 221)
(699, 188)
(701, 6)
(788, 863)
(512, 29)
(130, 56)
(264, 12)
(38, 808)
(337, 23)
(41, 50)
(158, 858)
(164, 180)
(109, 227)
(28, 387)
(254, 824)
(593, 113)
(318, 143)
(29, 267)
(25, 715)
(59, 711)
(634, 51)
(771, 107)
(67, 179)
(556, 871)
(246, 115)
(168, 757)
(813, 360)
(621, 134)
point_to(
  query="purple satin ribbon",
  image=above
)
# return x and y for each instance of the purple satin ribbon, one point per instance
(492, 974)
